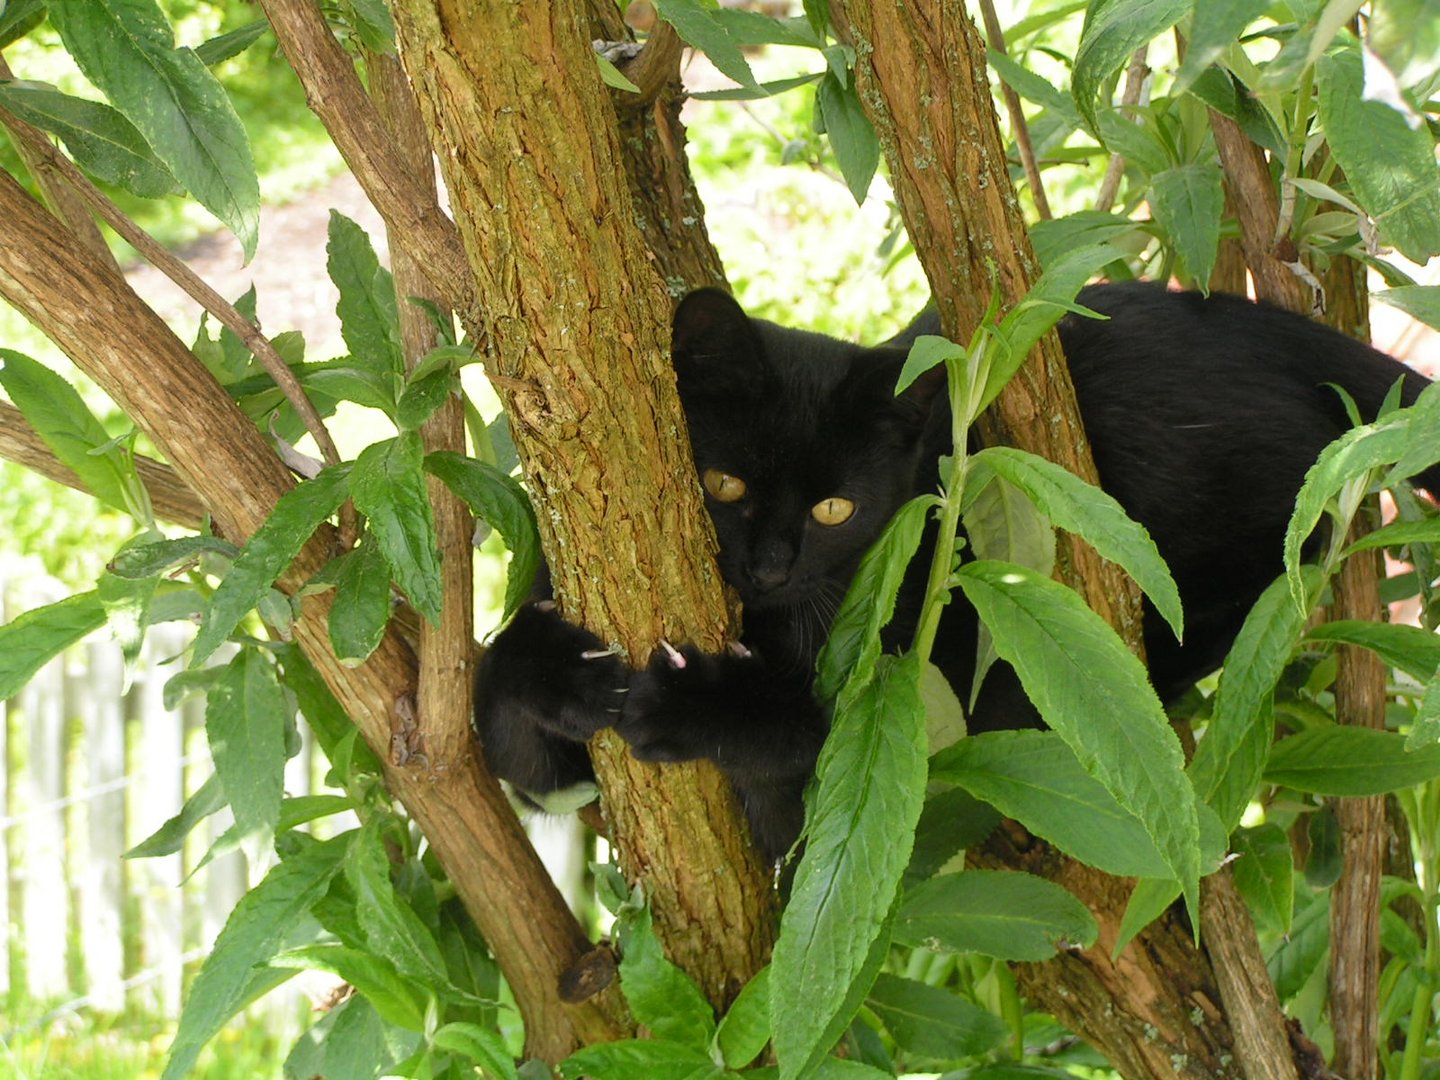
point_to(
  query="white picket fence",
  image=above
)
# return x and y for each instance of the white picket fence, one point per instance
(90, 765)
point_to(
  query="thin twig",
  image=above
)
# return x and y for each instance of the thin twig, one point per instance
(181, 274)
(1135, 76)
(996, 41)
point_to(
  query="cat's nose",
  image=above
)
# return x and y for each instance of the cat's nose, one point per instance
(771, 566)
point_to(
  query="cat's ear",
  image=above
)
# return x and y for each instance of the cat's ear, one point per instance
(710, 328)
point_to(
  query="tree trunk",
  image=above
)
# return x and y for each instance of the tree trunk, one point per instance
(921, 78)
(575, 338)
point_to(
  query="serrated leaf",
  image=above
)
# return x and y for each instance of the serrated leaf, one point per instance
(931, 1022)
(1112, 32)
(270, 549)
(245, 726)
(29, 641)
(147, 560)
(388, 487)
(1033, 777)
(67, 426)
(1409, 648)
(394, 997)
(1085, 510)
(1216, 25)
(481, 1045)
(1349, 761)
(654, 1059)
(423, 397)
(1055, 238)
(1298, 956)
(368, 319)
(745, 1028)
(1390, 165)
(259, 925)
(231, 44)
(1007, 915)
(1425, 731)
(1092, 691)
(362, 603)
(127, 49)
(699, 26)
(501, 502)
(1265, 874)
(870, 788)
(854, 642)
(750, 28)
(1230, 758)
(662, 997)
(852, 136)
(927, 351)
(99, 138)
(1189, 201)
(392, 929)
(170, 837)
(950, 822)
(1398, 534)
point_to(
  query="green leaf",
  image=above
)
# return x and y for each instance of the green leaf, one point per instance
(148, 560)
(245, 726)
(852, 136)
(423, 397)
(18, 18)
(1405, 34)
(927, 351)
(1230, 758)
(373, 25)
(1150, 899)
(1390, 165)
(932, 1022)
(99, 138)
(70, 430)
(854, 642)
(1325, 861)
(1348, 458)
(389, 489)
(394, 997)
(763, 90)
(950, 822)
(1398, 534)
(869, 790)
(1085, 510)
(226, 46)
(1300, 955)
(1010, 916)
(1425, 731)
(1112, 32)
(322, 711)
(362, 603)
(501, 502)
(1409, 648)
(745, 1029)
(272, 547)
(1265, 874)
(661, 996)
(1057, 237)
(1189, 202)
(751, 28)
(259, 925)
(610, 75)
(170, 837)
(1422, 437)
(699, 26)
(1092, 691)
(368, 319)
(1216, 25)
(1350, 761)
(653, 1059)
(127, 49)
(1034, 87)
(1033, 777)
(481, 1045)
(392, 929)
(29, 641)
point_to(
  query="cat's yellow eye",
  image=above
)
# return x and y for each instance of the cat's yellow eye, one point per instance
(832, 511)
(723, 486)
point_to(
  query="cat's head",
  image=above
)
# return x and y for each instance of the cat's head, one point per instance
(803, 447)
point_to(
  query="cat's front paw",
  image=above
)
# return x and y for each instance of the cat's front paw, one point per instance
(677, 706)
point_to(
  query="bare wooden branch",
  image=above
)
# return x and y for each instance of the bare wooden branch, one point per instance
(169, 497)
(1135, 76)
(177, 271)
(92, 315)
(336, 96)
(995, 36)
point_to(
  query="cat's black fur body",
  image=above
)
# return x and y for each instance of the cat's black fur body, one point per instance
(1204, 414)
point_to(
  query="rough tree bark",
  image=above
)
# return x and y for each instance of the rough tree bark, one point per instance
(921, 77)
(574, 327)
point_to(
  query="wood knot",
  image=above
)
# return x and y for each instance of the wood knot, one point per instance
(589, 975)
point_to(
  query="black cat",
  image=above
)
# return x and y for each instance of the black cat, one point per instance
(1204, 414)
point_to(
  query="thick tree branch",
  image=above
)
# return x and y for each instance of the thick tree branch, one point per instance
(575, 325)
(92, 315)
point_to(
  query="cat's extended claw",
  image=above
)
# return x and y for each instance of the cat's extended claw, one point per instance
(546, 606)
(599, 654)
(676, 658)
(738, 650)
